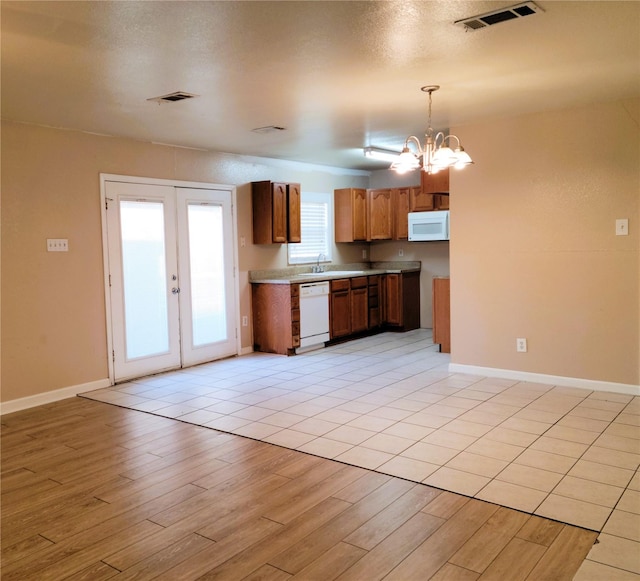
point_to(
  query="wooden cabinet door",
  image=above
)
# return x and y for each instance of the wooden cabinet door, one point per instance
(400, 198)
(435, 183)
(279, 206)
(441, 314)
(293, 213)
(359, 304)
(420, 201)
(374, 302)
(340, 314)
(392, 299)
(441, 201)
(410, 300)
(380, 215)
(359, 214)
(340, 308)
(350, 211)
(274, 327)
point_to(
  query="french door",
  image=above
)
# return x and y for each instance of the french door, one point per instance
(171, 276)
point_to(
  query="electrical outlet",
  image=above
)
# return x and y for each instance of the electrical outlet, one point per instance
(364, 253)
(622, 227)
(401, 252)
(57, 245)
(245, 321)
(243, 241)
(521, 345)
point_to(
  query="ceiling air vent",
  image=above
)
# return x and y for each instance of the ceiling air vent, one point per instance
(496, 16)
(268, 129)
(173, 97)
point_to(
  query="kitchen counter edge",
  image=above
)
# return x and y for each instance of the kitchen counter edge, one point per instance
(307, 277)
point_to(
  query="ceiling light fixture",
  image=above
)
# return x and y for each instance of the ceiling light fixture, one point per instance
(436, 154)
(381, 154)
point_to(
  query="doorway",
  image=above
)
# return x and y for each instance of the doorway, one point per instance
(170, 275)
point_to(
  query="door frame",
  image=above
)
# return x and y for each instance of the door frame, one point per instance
(105, 177)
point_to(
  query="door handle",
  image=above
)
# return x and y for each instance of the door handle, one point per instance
(175, 290)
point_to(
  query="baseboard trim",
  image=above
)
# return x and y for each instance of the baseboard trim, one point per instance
(559, 380)
(23, 403)
(246, 350)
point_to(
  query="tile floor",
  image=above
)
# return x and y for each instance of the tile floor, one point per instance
(388, 403)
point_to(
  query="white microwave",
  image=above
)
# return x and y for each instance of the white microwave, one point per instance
(424, 226)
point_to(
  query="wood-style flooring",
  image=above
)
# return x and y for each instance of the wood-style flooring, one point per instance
(92, 491)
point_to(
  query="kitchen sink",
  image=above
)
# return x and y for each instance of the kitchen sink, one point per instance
(333, 273)
(344, 272)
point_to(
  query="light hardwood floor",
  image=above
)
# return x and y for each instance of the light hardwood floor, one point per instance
(92, 491)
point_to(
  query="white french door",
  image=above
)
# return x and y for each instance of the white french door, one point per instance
(205, 257)
(171, 274)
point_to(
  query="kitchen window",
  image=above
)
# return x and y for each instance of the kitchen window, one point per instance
(316, 219)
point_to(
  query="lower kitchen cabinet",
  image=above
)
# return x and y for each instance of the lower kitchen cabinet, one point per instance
(340, 309)
(373, 292)
(359, 304)
(401, 300)
(441, 314)
(276, 318)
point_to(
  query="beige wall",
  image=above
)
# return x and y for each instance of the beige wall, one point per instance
(53, 305)
(532, 253)
(533, 249)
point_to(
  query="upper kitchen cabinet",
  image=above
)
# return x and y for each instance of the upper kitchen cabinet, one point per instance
(350, 208)
(426, 198)
(435, 183)
(276, 212)
(380, 223)
(401, 201)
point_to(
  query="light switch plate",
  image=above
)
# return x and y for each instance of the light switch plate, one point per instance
(57, 245)
(622, 227)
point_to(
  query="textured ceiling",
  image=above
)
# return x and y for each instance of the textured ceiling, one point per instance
(338, 76)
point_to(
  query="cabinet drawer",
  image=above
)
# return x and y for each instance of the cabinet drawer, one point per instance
(295, 329)
(339, 285)
(295, 302)
(295, 290)
(359, 282)
(373, 280)
(295, 315)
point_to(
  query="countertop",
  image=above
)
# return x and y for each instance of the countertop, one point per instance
(300, 274)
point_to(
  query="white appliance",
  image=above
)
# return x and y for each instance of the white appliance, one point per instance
(425, 226)
(314, 315)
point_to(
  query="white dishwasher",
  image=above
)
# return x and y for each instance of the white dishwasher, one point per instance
(314, 315)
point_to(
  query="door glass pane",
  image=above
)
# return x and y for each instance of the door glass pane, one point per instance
(206, 260)
(144, 278)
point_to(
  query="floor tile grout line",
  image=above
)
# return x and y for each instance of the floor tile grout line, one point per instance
(388, 368)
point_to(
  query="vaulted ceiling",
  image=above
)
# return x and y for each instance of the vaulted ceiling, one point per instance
(338, 76)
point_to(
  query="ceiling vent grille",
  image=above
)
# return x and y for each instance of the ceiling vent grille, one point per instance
(173, 97)
(496, 16)
(268, 129)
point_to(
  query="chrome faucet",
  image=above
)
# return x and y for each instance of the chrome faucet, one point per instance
(317, 267)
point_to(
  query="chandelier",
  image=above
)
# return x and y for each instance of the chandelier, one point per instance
(437, 152)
